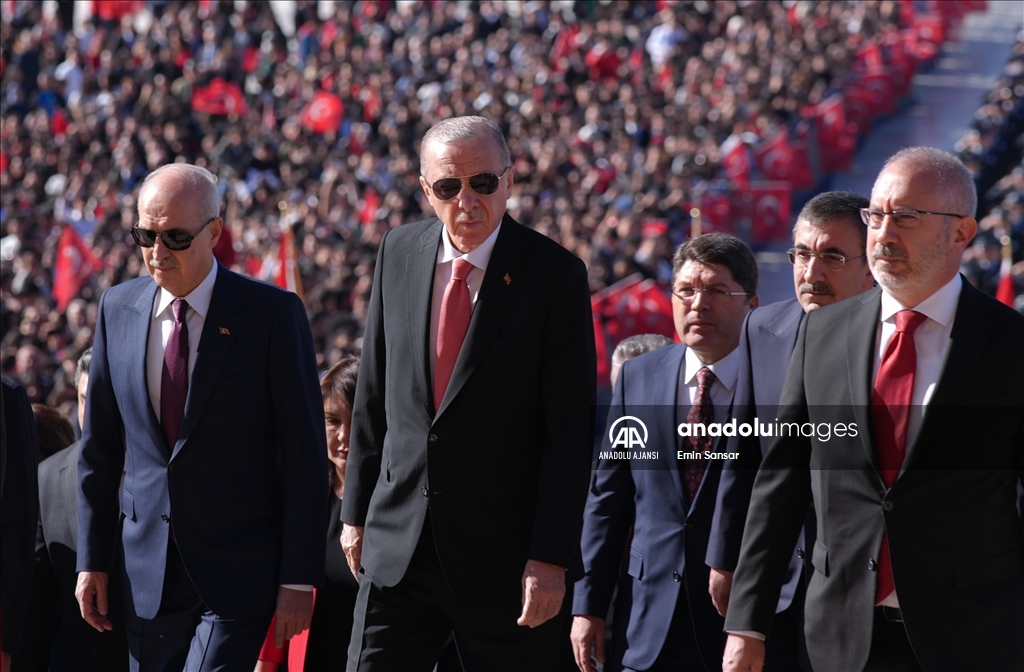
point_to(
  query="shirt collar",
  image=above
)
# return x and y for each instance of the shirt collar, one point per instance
(478, 256)
(198, 299)
(726, 369)
(940, 306)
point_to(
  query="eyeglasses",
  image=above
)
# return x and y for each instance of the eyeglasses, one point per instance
(904, 218)
(830, 260)
(483, 183)
(175, 239)
(687, 294)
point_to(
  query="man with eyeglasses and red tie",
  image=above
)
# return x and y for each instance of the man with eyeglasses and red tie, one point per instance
(471, 429)
(203, 391)
(829, 265)
(919, 558)
(666, 490)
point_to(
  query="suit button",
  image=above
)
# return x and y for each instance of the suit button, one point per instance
(424, 492)
(872, 565)
(887, 505)
(432, 438)
(800, 553)
(164, 517)
(687, 527)
(676, 577)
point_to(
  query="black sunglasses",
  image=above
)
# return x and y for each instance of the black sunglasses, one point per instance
(483, 183)
(175, 239)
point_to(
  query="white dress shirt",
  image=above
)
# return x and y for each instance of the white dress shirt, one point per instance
(480, 256)
(726, 371)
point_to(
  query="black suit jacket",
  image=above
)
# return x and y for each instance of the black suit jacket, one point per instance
(243, 485)
(951, 517)
(504, 462)
(19, 510)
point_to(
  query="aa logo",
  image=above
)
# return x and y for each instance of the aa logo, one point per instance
(628, 432)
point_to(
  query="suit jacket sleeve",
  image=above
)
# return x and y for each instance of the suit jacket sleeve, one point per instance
(778, 505)
(102, 459)
(569, 382)
(738, 474)
(19, 512)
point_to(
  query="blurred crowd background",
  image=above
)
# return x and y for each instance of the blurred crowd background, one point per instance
(623, 119)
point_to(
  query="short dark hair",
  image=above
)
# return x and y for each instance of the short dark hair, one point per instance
(55, 432)
(84, 362)
(340, 380)
(722, 249)
(836, 206)
(637, 345)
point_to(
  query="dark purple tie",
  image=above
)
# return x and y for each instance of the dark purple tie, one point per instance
(702, 412)
(174, 381)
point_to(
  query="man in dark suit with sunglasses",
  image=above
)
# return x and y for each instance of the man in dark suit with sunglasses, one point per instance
(203, 390)
(471, 429)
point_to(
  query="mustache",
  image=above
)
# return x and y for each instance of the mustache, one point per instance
(817, 288)
(163, 263)
(890, 251)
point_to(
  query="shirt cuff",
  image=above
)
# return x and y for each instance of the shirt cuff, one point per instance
(298, 586)
(747, 633)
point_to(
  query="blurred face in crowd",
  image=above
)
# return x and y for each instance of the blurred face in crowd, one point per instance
(83, 386)
(469, 216)
(822, 281)
(338, 416)
(709, 322)
(165, 204)
(913, 263)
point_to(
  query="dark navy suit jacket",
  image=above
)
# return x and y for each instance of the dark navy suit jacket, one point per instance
(243, 485)
(670, 537)
(766, 345)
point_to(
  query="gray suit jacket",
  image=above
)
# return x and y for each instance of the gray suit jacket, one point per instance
(955, 537)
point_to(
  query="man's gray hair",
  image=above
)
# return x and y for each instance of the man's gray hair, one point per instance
(458, 129)
(196, 177)
(953, 181)
(637, 345)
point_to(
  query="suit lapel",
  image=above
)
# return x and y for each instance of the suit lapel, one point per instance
(496, 298)
(664, 394)
(222, 327)
(860, 345)
(420, 265)
(137, 328)
(971, 328)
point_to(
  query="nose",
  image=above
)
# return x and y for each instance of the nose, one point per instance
(160, 251)
(699, 300)
(466, 197)
(887, 231)
(813, 270)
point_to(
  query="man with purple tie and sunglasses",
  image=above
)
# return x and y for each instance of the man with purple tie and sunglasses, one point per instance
(471, 441)
(203, 391)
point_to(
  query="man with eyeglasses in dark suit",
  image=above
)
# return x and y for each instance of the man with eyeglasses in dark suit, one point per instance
(829, 265)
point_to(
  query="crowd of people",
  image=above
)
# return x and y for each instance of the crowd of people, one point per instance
(615, 115)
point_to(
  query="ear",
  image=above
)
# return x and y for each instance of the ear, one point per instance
(963, 232)
(216, 228)
(755, 301)
(511, 174)
(426, 188)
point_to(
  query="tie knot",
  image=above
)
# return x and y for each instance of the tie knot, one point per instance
(461, 269)
(907, 321)
(179, 307)
(705, 377)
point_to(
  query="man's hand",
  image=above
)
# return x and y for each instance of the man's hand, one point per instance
(543, 590)
(587, 633)
(743, 654)
(720, 587)
(352, 544)
(91, 593)
(294, 612)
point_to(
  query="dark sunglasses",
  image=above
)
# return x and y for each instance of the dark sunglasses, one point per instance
(175, 239)
(483, 183)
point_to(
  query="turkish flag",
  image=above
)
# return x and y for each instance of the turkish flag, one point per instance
(802, 174)
(736, 161)
(288, 275)
(75, 265)
(774, 157)
(930, 27)
(644, 308)
(869, 57)
(323, 113)
(1005, 290)
(604, 355)
(114, 10)
(224, 250)
(716, 213)
(859, 105)
(220, 98)
(769, 212)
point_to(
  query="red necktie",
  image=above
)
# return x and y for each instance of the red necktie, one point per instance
(456, 309)
(702, 412)
(890, 413)
(174, 381)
